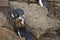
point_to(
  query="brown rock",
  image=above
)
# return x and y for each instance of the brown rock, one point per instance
(6, 34)
(3, 3)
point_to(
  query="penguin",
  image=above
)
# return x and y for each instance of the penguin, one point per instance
(44, 3)
(24, 33)
(18, 14)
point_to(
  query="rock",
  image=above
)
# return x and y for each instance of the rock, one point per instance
(52, 34)
(36, 18)
(3, 19)
(6, 34)
(4, 22)
(3, 3)
(26, 1)
(54, 9)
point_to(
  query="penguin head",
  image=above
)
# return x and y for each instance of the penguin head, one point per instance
(18, 14)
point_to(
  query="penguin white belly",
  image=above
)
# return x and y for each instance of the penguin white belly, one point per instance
(40, 2)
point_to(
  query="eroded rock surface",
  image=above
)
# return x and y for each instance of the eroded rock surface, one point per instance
(6, 34)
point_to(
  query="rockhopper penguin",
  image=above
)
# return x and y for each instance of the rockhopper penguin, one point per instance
(44, 3)
(18, 15)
